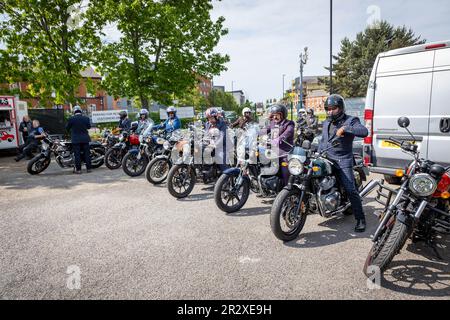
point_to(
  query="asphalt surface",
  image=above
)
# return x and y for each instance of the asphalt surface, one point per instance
(130, 240)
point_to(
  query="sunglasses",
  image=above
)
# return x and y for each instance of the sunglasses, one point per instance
(332, 108)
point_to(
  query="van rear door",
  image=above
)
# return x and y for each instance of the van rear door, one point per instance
(403, 88)
(439, 122)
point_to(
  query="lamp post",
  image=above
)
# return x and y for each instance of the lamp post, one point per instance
(303, 61)
(331, 47)
(282, 96)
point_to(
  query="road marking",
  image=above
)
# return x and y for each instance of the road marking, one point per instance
(245, 260)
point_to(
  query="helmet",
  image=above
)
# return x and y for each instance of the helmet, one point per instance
(171, 109)
(123, 114)
(77, 109)
(246, 110)
(302, 112)
(221, 113)
(310, 112)
(211, 112)
(335, 100)
(278, 108)
(134, 126)
(143, 112)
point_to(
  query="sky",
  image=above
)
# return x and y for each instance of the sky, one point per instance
(266, 36)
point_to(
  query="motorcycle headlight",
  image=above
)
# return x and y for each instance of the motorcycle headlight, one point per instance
(160, 141)
(422, 185)
(166, 145)
(295, 167)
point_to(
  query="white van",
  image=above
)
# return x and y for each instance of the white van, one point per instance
(412, 82)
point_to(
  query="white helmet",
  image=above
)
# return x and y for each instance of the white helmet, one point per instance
(245, 110)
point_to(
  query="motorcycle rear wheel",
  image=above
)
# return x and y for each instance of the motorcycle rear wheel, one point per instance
(224, 193)
(97, 157)
(132, 166)
(157, 170)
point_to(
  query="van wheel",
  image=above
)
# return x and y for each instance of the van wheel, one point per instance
(393, 180)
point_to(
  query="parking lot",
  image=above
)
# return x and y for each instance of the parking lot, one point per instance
(131, 240)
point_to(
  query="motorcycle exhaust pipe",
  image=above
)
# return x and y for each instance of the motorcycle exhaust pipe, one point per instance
(369, 188)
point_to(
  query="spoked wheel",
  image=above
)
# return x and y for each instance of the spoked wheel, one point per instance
(288, 215)
(157, 170)
(230, 197)
(133, 166)
(38, 164)
(390, 242)
(113, 159)
(181, 181)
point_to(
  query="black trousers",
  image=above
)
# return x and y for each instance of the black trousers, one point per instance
(347, 179)
(81, 150)
(28, 147)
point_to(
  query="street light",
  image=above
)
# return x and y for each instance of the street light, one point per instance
(303, 61)
(331, 47)
(282, 96)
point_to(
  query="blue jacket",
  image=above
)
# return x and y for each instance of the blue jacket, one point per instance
(78, 125)
(125, 124)
(343, 154)
(169, 125)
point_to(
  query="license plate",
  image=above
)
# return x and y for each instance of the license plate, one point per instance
(388, 144)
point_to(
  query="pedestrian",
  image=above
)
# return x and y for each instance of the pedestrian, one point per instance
(25, 127)
(79, 125)
(34, 137)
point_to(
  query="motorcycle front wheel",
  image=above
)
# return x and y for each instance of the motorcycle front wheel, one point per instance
(113, 159)
(389, 244)
(227, 196)
(181, 181)
(288, 215)
(157, 170)
(133, 166)
(38, 164)
(97, 157)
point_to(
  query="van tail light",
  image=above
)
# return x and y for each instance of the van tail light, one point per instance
(435, 46)
(368, 117)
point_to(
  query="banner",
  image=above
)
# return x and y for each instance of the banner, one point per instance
(182, 113)
(105, 116)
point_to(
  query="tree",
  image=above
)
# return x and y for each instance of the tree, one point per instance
(224, 100)
(193, 98)
(164, 46)
(47, 43)
(355, 59)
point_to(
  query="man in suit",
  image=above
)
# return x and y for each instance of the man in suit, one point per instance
(79, 125)
(344, 128)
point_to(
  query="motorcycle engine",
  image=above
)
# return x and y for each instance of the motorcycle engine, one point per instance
(64, 157)
(270, 185)
(329, 195)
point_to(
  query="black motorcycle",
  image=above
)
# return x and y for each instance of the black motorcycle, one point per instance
(419, 208)
(257, 171)
(313, 188)
(63, 152)
(158, 169)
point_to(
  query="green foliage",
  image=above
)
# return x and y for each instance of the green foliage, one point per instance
(224, 100)
(47, 44)
(355, 59)
(164, 46)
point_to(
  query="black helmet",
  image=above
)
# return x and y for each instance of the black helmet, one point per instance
(310, 111)
(335, 100)
(278, 108)
(123, 114)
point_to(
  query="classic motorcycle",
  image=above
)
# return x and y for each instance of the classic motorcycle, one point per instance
(62, 150)
(419, 209)
(136, 160)
(313, 188)
(254, 172)
(188, 169)
(158, 169)
(127, 140)
(109, 139)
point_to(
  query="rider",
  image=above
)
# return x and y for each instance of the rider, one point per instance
(143, 122)
(244, 120)
(172, 123)
(307, 125)
(34, 137)
(124, 122)
(344, 128)
(223, 117)
(214, 122)
(282, 131)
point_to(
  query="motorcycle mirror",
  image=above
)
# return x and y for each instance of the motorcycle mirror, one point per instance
(403, 122)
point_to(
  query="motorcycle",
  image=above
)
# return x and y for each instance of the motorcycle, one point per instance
(158, 169)
(62, 150)
(419, 209)
(255, 172)
(187, 169)
(115, 154)
(136, 160)
(109, 139)
(313, 188)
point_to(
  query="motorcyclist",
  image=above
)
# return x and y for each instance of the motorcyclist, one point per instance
(124, 122)
(344, 128)
(172, 123)
(34, 137)
(307, 126)
(143, 122)
(282, 133)
(244, 120)
(79, 126)
(214, 122)
(223, 117)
